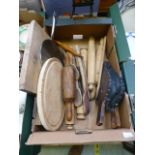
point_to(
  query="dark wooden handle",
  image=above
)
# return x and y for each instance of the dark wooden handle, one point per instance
(115, 119)
(100, 114)
(118, 121)
(67, 48)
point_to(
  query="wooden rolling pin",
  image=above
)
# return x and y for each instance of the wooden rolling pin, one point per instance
(100, 58)
(84, 53)
(91, 66)
(68, 88)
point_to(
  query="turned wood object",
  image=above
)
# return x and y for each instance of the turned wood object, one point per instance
(68, 90)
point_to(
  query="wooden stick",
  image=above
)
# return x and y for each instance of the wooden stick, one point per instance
(68, 90)
(80, 112)
(91, 63)
(115, 119)
(81, 66)
(67, 48)
(100, 58)
(71, 120)
(84, 53)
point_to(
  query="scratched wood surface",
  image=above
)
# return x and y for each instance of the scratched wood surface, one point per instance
(31, 61)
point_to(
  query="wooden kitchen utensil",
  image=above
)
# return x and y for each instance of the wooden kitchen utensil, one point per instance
(69, 118)
(80, 112)
(100, 58)
(78, 102)
(91, 66)
(67, 48)
(81, 66)
(78, 95)
(68, 90)
(49, 95)
(110, 94)
(84, 54)
(115, 119)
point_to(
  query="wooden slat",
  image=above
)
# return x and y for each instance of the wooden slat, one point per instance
(70, 138)
(31, 61)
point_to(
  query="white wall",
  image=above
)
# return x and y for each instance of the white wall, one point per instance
(128, 19)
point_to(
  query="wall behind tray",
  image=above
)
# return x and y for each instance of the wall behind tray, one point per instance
(65, 6)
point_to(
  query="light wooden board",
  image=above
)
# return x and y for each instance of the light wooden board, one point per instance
(49, 95)
(31, 61)
(70, 138)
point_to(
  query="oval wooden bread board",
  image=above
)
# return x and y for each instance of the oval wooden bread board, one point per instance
(49, 95)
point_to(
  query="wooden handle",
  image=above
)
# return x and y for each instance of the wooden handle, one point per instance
(68, 111)
(82, 68)
(67, 48)
(78, 97)
(69, 121)
(84, 53)
(115, 119)
(91, 64)
(68, 90)
(100, 58)
(100, 114)
(92, 93)
(91, 61)
(118, 120)
(80, 112)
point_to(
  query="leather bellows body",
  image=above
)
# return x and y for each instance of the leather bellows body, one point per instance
(111, 91)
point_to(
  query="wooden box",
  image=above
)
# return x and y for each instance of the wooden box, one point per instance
(102, 133)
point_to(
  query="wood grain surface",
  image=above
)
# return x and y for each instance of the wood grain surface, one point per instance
(84, 54)
(69, 115)
(31, 61)
(91, 63)
(69, 90)
(80, 64)
(100, 58)
(115, 119)
(49, 95)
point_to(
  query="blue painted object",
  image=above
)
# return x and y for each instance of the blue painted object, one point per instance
(85, 21)
(128, 69)
(65, 6)
(122, 47)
